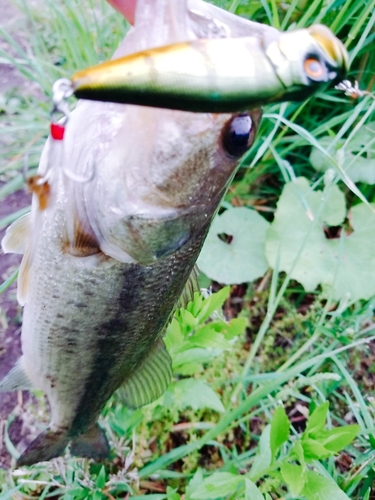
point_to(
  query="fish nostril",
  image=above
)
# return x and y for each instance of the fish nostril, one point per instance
(238, 135)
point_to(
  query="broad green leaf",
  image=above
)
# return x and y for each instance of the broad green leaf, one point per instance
(197, 304)
(263, 457)
(172, 494)
(333, 208)
(207, 337)
(297, 450)
(294, 476)
(313, 450)
(367, 494)
(252, 491)
(317, 420)
(357, 156)
(352, 252)
(101, 479)
(156, 496)
(296, 242)
(279, 430)
(173, 338)
(318, 487)
(218, 485)
(188, 369)
(212, 304)
(198, 355)
(235, 327)
(338, 438)
(196, 394)
(243, 258)
(188, 321)
(194, 483)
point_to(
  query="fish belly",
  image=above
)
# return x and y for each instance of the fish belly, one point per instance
(90, 321)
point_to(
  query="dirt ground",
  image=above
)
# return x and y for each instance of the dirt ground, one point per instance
(10, 313)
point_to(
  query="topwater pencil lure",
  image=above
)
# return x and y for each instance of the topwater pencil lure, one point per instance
(220, 75)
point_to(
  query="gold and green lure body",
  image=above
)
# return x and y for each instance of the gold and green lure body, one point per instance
(219, 75)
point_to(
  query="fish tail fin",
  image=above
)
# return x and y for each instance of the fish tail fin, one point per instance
(92, 444)
(49, 444)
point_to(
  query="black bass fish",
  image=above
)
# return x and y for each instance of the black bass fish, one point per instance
(106, 261)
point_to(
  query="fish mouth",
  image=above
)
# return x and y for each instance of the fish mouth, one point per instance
(335, 54)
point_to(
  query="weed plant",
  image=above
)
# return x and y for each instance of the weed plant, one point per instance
(276, 398)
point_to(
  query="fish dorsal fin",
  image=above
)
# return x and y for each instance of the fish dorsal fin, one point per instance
(17, 235)
(16, 379)
(150, 380)
(190, 288)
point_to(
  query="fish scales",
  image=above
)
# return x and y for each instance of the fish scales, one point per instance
(117, 324)
(106, 261)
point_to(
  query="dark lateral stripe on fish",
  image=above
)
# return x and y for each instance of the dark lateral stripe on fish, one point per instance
(109, 351)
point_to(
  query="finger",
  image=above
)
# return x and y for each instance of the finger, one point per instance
(125, 7)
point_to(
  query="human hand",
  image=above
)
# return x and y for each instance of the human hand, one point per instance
(125, 7)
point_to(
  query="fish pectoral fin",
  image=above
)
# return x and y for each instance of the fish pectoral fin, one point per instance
(150, 380)
(92, 444)
(190, 288)
(16, 379)
(17, 235)
(80, 241)
(49, 444)
(23, 281)
(17, 240)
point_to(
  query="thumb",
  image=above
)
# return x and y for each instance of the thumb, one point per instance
(125, 7)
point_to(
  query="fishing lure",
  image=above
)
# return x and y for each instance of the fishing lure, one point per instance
(220, 75)
(40, 184)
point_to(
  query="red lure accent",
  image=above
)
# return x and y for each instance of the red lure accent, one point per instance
(57, 131)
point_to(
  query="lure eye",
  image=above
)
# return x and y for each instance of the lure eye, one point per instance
(314, 69)
(238, 135)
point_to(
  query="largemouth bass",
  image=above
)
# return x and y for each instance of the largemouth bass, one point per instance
(106, 262)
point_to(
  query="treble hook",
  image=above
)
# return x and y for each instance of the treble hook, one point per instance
(353, 91)
(61, 90)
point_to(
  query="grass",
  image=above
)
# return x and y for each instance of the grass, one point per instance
(300, 349)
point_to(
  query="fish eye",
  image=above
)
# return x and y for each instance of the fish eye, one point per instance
(314, 69)
(238, 135)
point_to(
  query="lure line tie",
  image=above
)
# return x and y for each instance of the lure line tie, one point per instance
(62, 89)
